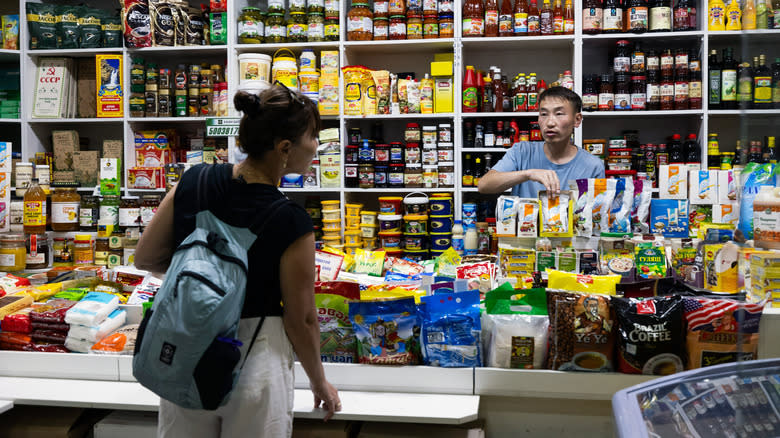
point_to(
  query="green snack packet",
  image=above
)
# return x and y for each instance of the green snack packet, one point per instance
(68, 31)
(90, 28)
(650, 260)
(217, 28)
(111, 28)
(508, 301)
(73, 294)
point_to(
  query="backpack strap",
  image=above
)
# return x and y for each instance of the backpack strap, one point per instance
(258, 229)
(202, 178)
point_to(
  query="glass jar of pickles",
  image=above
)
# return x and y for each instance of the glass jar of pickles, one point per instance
(13, 254)
(331, 28)
(316, 27)
(251, 26)
(297, 28)
(275, 28)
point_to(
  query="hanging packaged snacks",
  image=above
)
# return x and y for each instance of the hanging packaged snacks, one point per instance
(556, 214)
(451, 329)
(620, 211)
(583, 216)
(721, 331)
(650, 335)
(582, 331)
(528, 217)
(387, 332)
(337, 338)
(601, 200)
(515, 327)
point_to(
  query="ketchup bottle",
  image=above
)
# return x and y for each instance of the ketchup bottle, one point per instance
(470, 94)
(534, 19)
(505, 20)
(491, 18)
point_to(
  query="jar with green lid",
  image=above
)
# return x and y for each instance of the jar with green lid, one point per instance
(137, 101)
(152, 75)
(109, 210)
(276, 7)
(331, 28)
(316, 7)
(297, 6)
(251, 26)
(316, 30)
(275, 29)
(332, 8)
(297, 27)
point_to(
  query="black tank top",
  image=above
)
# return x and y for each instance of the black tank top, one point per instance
(239, 204)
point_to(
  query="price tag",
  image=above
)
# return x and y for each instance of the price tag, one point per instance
(222, 126)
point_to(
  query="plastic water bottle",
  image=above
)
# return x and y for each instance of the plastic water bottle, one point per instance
(457, 237)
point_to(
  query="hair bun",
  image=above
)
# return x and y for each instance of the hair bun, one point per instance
(248, 103)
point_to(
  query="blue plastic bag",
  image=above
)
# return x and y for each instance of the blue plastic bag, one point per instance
(451, 329)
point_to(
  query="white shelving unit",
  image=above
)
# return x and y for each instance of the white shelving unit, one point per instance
(545, 55)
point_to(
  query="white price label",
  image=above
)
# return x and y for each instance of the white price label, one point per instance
(222, 126)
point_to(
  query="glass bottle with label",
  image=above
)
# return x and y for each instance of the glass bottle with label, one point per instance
(685, 15)
(473, 18)
(728, 85)
(636, 16)
(88, 213)
(35, 209)
(660, 16)
(638, 59)
(762, 85)
(695, 83)
(592, 16)
(612, 16)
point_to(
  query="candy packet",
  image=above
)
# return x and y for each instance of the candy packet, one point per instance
(601, 202)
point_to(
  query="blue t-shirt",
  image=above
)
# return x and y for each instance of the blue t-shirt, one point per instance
(530, 155)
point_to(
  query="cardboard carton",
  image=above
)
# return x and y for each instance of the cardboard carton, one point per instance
(112, 149)
(673, 181)
(85, 78)
(64, 145)
(85, 164)
(108, 85)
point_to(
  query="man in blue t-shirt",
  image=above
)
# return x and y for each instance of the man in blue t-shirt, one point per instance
(529, 167)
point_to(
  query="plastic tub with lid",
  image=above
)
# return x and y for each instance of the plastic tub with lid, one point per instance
(441, 205)
(390, 239)
(390, 204)
(416, 255)
(353, 209)
(416, 203)
(368, 231)
(415, 224)
(331, 214)
(441, 224)
(441, 241)
(389, 222)
(352, 222)
(331, 240)
(368, 217)
(331, 224)
(414, 241)
(352, 237)
(254, 67)
(331, 204)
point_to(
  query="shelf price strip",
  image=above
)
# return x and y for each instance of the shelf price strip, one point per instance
(222, 126)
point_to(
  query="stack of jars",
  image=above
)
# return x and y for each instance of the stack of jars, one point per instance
(425, 159)
(401, 20)
(669, 79)
(304, 21)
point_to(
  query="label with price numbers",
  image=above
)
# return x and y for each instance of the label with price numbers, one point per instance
(222, 126)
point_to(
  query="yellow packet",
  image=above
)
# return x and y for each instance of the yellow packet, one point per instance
(705, 226)
(369, 93)
(591, 284)
(349, 262)
(386, 292)
(369, 262)
(38, 294)
(447, 263)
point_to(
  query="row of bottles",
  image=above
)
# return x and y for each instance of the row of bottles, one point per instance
(751, 15)
(495, 93)
(474, 167)
(521, 19)
(498, 133)
(638, 16)
(760, 151)
(743, 85)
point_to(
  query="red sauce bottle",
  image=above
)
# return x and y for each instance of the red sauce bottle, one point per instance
(473, 18)
(491, 18)
(534, 25)
(506, 20)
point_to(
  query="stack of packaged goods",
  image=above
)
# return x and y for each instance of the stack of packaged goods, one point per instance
(353, 237)
(389, 218)
(441, 223)
(370, 92)
(368, 228)
(10, 102)
(331, 224)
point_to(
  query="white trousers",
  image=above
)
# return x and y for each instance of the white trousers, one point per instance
(261, 405)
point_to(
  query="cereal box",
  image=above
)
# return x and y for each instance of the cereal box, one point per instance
(727, 186)
(669, 217)
(726, 213)
(153, 148)
(146, 178)
(109, 85)
(673, 181)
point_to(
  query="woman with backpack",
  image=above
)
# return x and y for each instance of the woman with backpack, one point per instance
(279, 133)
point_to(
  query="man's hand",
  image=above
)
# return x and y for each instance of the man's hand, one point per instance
(548, 178)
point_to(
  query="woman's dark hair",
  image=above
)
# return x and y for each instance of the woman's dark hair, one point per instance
(275, 114)
(562, 93)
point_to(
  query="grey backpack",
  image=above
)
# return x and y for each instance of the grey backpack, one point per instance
(187, 349)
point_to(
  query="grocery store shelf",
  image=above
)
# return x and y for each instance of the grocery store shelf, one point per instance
(750, 112)
(189, 50)
(499, 115)
(73, 53)
(77, 120)
(167, 119)
(525, 42)
(652, 35)
(7, 55)
(395, 190)
(399, 46)
(757, 35)
(10, 120)
(492, 150)
(295, 47)
(552, 384)
(151, 191)
(6, 405)
(311, 189)
(401, 116)
(672, 113)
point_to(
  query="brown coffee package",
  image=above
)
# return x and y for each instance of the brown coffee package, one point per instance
(582, 332)
(86, 166)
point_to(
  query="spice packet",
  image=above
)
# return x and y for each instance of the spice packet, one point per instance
(556, 214)
(601, 201)
(403, 96)
(413, 96)
(650, 260)
(620, 213)
(583, 215)
(382, 83)
(640, 210)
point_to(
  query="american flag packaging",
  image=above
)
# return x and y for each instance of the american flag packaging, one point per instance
(721, 331)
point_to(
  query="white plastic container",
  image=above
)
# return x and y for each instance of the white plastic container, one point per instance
(766, 218)
(254, 67)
